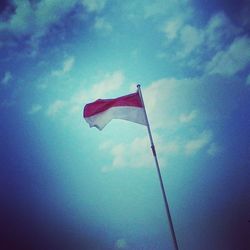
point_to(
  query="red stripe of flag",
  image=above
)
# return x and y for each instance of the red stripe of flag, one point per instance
(102, 105)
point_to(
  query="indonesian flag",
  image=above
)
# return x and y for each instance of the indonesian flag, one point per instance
(129, 107)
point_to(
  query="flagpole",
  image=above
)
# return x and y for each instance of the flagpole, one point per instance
(159, 173)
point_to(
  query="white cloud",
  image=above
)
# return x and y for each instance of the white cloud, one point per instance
(102, 24)
(138, 154)
(67, 66)
(165, 99)
(34, 18)
(219, 28)
(232, 60)
(191, 38)
(135, 154)
(185, 118)
(28, 19)
(214, 149)
(172, 27)
(55, 107)
(121, 244)
(102, 89)
(34, 109)
(94, 5)
(172, 147)
(155, 8)
(196, 144)
(110, 83)
(6, 78)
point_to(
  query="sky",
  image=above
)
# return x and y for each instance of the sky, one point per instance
(65, 186)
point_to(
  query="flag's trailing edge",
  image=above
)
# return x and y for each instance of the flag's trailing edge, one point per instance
(99, 113)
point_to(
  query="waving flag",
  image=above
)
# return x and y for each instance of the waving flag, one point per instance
(129, 107)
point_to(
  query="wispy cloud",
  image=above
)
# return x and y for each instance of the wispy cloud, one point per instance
(196, 144)
(218, 30)
(166, 99)
(121, 244)
(155, 8)
(6, 78)
(186, 37)
(172, 147)
(185, 118)
(231, 60)
(214, 149)
(191, 38)
(133, 155)
(103, 25)
(111, 82)
(137, 154)
(66, 67)
(34, 18)
(172, 28)
(55, 107)
(27, 19)
(94, 5)
(102, 89)
(35, 109)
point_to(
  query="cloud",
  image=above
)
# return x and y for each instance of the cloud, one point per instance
(104, 88)
(231, 60)
(34, 109)
(185, 118)
(172, 147)
(185, 36)
(134, 155)
(55, 107)
(110, 83)
(6, 78)
(94, 5)
(191, 38)
(121, 244)
(218, 30)
(159, 8)
(166, 99)
(102, 24)
(196, 144)
(67, 66)
(34, 18)
(155, 8)
(138, 154)
(214, 149)
(172, 27)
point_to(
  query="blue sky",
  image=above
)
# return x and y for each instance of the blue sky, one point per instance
(66, 186)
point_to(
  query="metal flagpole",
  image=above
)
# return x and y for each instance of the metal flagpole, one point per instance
(159, 173)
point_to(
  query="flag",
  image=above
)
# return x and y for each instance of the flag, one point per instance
(129, 107)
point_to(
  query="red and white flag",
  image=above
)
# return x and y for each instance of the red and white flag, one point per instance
(129, 107)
